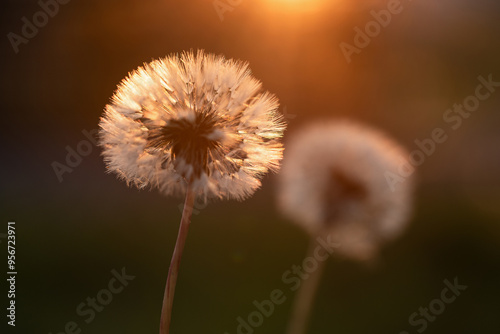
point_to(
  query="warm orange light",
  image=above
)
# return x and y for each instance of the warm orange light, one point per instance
(302, 5)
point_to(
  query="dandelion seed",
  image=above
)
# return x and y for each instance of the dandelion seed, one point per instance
(333, 183)
(193, 125)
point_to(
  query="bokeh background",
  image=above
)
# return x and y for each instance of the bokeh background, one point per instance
(71, 234)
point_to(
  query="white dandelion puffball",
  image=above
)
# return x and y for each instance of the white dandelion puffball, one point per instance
(333, 181)
(192, 119)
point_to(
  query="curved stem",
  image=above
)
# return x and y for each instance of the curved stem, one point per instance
(304, 298)
(173, 271)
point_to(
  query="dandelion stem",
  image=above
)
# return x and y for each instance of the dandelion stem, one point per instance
(304, 298)
(173, 271)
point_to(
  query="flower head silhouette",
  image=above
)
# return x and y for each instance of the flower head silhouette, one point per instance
(333, 180)
(192, 119)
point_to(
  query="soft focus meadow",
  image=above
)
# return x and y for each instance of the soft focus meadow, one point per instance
(74, 228)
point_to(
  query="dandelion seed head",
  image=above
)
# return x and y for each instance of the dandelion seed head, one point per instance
(195, 119)
(333, 180)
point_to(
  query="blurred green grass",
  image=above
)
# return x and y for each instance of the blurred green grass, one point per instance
(236, 253)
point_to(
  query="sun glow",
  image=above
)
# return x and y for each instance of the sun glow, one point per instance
(303, 5)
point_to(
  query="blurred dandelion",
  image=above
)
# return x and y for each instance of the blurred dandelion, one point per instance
(192, 125)
(333, 183)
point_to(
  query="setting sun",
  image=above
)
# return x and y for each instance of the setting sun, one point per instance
(302, 5)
